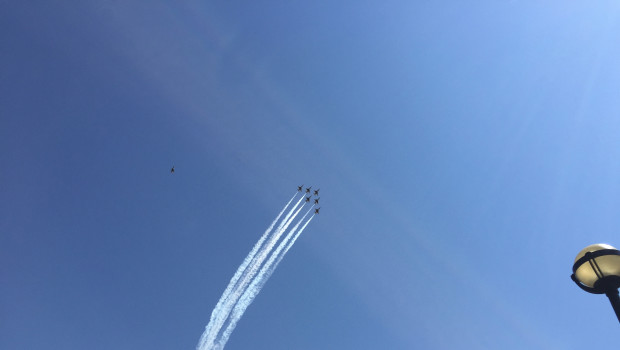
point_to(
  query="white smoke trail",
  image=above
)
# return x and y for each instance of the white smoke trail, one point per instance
(270, 266)
(253, 269)
(258, 245)
(239, 273)
(257, 284)
(215, 325)
(288, 247)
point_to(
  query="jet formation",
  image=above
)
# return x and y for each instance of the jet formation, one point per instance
(300, 188)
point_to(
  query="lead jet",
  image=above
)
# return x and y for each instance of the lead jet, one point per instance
(316, 200)
(172, 170)
(307, 199)
(316, 211)
(308, 189)
(299, 188)
(316, 192)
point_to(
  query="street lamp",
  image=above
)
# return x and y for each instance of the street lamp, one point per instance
(597, 270)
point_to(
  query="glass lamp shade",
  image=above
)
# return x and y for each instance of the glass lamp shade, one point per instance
(599, 267)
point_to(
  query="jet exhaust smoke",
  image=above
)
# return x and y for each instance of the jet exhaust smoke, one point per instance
(257, 284)
(240, 271)
(252, 275)
(251, 272)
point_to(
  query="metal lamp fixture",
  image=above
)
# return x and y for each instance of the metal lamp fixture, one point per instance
(597, 270)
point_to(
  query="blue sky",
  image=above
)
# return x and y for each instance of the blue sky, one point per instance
(465, 154)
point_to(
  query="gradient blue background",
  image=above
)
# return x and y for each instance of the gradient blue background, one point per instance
(466, 152)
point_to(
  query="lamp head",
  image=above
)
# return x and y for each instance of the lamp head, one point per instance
(597, 269)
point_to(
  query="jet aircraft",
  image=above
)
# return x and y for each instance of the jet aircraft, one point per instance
(316, 200)
(316, 192)
(308, 189)
(299, 188)
(307, 199)
(172, 170)
(316, 211)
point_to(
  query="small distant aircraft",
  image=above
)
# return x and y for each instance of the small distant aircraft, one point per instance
(307, 199)
(172, 170)
(308, 189)
(316, 200)
(299, 188)
(316, 211)
(316, 192)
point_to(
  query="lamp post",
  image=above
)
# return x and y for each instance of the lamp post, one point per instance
(597, 270)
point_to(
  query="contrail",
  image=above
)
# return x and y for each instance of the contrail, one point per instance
(241, 270)
(288, 247)
(263, 254)
(257, 284)
(270, 266)
(257, 246)
(222, 311)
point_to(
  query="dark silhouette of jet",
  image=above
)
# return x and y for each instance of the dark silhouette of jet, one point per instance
(316, 192)
(172, 170)
(299, 188)
(307, 199)
(316, 211)
(308, 189)
(316, 200)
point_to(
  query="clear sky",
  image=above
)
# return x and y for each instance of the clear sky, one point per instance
(465, 151)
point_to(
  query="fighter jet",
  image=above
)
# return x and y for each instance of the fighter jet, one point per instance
(316, 192)
(308, 189)
(299, 188)
(316, 200)
(307, 199)
(316, 211)
(172, 170)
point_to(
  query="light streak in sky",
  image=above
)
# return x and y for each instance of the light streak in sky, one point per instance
(250, 277)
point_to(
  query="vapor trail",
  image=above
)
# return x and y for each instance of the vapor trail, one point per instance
(218, 319)
(240, 271)
(257, 284)
(255, 249)
(288, 247)
(265, 252)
